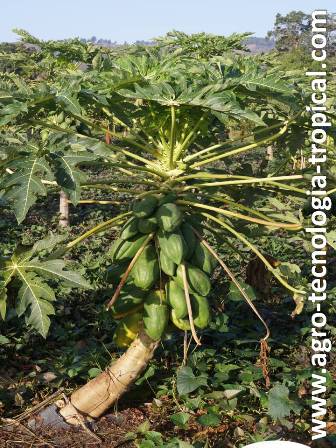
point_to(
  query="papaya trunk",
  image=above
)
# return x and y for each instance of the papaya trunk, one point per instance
(269, 153)
(96, 396)
(63, 210)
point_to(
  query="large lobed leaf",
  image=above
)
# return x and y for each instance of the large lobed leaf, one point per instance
(25, 185)
(34, 300)
(35, 296)
(54, 269)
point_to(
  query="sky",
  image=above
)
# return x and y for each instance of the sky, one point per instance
(131, 20)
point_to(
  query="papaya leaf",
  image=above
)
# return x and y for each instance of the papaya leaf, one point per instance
(7, 270)
(54, 269)
(69, 102)
(270, 83)
(24, 186)
(34, 297)
(11, 111)
(68, 175)
(47, 243)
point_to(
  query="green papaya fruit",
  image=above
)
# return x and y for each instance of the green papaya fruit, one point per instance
(182, 324)
(176, 299)
(201, 311)
(127, 330)
(190, 239)
(147, 225)
(156, 297)
(129, 308)
(198, 281)
(167, 265)
(145, 206)
(115, 271)
(126, 249)
(173, 245)
(204, 259)
(169, 197)
(130, 229)
(156, 314)
(169, 216)
(130, 300)
(146, 270)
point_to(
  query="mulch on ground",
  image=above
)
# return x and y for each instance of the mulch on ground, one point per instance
(111, 429)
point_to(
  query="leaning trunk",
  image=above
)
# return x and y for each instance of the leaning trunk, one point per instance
(63, 210)
(93, 399)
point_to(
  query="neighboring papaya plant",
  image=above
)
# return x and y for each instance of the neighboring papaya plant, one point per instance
(167, 119)
(26, 269)
(203, 45)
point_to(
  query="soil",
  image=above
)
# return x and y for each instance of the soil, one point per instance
(111, 429)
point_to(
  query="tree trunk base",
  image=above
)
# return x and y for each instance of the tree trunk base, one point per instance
(99, 394)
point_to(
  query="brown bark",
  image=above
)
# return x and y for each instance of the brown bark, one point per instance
(96, 396)
(63, 210)
(269, 153)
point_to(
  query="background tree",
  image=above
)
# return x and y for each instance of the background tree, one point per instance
(290, 30)
(293, 32)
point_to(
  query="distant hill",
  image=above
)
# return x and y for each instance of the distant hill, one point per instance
(260, 45)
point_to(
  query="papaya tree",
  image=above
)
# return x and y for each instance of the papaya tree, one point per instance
(202, 45)
(184, 180)
(36, 68)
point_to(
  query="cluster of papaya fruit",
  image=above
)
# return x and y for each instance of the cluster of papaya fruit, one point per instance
(154, 293)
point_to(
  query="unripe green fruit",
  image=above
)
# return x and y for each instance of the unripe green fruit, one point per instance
(145, 206)
(146, 272)
(176, 299)
(167, 265)
(147, 225)
(173, 245)
(198, 281)
(169, 217)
